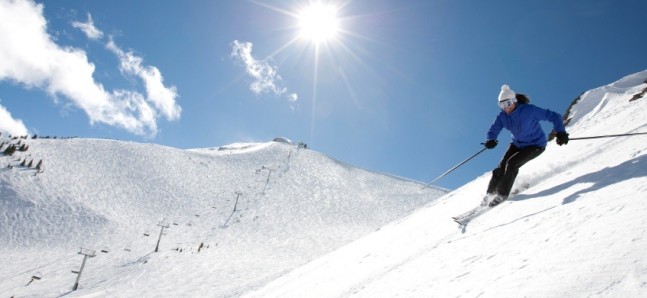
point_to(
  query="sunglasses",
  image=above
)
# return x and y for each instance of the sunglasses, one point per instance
(506, 103)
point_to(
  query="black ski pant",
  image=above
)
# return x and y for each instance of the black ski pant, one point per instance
(504, 175)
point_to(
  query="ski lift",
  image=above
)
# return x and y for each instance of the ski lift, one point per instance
(33, 278)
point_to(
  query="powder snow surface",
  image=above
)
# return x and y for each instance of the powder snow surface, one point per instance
(579, 230)
(274, 220)
(254, 212)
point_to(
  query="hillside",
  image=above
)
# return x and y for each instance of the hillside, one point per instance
(579, 230)
(275, 220)
(235, 217)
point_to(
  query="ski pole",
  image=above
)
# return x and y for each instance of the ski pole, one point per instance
(454, 168)
(609, 136)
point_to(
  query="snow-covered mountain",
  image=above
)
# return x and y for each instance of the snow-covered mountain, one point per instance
(580, 230)
(275, 220)
(234, 217)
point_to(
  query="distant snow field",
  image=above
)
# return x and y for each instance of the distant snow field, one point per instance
(234, 217)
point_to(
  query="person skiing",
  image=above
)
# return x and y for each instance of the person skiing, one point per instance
(528, 140)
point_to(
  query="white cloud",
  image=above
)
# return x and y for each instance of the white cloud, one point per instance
(162, 97)
(10, 125)
(89, 29)
(265, 76)
(28, 56)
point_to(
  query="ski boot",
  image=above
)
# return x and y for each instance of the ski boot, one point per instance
(497, 200)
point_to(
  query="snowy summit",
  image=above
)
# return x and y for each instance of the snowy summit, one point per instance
(232, 218)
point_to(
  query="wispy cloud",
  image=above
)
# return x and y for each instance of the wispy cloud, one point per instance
(88, 28)
(162, 97)
(29, 56)
(265, 76)
(10, 125)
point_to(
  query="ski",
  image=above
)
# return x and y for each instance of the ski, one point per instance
(464, 218)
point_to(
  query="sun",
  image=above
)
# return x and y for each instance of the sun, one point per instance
(320, 27)
(318, 23)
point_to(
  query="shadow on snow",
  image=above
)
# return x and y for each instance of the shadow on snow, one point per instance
(633, 168)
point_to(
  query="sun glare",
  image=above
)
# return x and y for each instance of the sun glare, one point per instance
(318, 23)
(317, 27)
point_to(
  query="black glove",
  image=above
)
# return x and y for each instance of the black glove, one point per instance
(562, 138)
(490, 144)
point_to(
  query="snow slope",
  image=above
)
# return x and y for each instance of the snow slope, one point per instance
(234, 217)
(273, 220)
(580, 230)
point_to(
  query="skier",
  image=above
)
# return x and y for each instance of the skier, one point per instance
(528, 140)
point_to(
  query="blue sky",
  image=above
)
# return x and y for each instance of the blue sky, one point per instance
(404, 87)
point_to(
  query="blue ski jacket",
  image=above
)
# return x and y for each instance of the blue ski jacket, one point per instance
(523, 123)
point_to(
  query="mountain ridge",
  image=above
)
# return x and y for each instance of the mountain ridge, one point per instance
(274, 203)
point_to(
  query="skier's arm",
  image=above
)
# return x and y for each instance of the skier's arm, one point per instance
(554, 117)
(495, 129)
(558, 125)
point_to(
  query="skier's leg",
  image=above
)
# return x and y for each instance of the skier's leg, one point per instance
(499, 171)
(512, 168)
